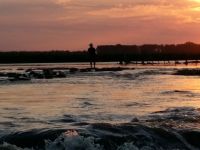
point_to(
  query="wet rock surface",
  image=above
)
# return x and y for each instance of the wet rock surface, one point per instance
(50, 73)
(188, 72)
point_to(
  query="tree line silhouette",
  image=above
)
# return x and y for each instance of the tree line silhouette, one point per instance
(126, 53)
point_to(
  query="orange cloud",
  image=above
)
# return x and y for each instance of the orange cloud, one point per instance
(183, 13)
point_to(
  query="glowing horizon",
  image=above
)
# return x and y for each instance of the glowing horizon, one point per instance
(72, 24)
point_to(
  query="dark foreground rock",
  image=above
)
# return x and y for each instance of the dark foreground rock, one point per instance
(188, 72)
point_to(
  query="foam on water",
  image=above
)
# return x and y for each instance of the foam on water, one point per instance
(164, 130)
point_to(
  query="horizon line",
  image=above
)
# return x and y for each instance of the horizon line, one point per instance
(82, 50)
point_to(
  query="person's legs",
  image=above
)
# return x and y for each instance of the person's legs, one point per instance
(94, 64)
(94, 61)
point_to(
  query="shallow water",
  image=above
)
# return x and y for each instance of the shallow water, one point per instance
(144, 108)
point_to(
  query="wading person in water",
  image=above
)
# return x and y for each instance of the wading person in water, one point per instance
(92, 55)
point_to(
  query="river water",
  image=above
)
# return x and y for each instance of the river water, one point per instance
(147, 107)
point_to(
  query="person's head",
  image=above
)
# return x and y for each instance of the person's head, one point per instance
(91, 45)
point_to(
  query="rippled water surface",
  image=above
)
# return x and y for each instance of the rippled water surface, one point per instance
(100, 105)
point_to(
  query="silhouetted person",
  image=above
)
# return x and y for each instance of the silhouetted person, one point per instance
(92, 55)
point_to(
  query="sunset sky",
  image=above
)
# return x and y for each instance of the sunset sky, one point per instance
(73, 24)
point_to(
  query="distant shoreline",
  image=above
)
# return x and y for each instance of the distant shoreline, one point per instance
(109, 53)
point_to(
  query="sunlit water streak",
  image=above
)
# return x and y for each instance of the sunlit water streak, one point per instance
(97, 97)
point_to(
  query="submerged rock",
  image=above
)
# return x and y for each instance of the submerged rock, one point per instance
(18, 77)
(2, 74)
(51, 73)
(73, 70)
(188, 72)
(48, 73)
(60, 74)
(36, 74)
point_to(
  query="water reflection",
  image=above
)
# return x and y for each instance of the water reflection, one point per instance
(96, 97)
